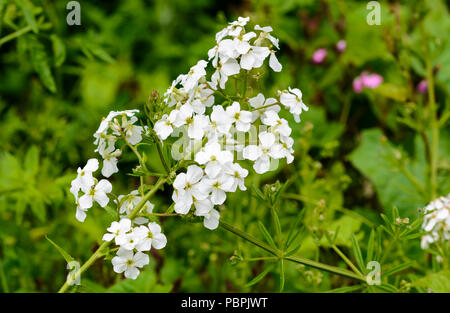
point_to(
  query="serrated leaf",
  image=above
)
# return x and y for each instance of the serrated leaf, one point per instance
(63, 252)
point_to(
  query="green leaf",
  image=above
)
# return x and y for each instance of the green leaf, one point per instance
(344, 289)
(259, 195)
(291, 231)
(398, 268)
(260, 276)
(63, 252)
(99, 52)
(41, 65)
(266, 234)
(282, 275)
(436, 282)
(59, 50)
(357, 254)
(375, 158)
(32, 160)
(370, 246)
(276, 222)
(27, 9)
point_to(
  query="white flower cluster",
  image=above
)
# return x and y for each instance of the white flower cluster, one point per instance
(436, 221)
(191, 97)
(133, 242)
(93, 190)
(117, 125)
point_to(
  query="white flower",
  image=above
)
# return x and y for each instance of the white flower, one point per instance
(196, 124)
(241, 118)
(128, 262)
(274, 63)
(262, 105)
(241, 42)
(187, 185)
(110, 161)
(164, 127)
(211, 218)
(223, 70)
(218, 186)
(84, 180)
(262, 153)
(129, 241)
(238, 174)
(97, 193)
(293, 101)
(117, 231)
(285, 149)
(254, 58)
(278, 125)
(220, 121)
(265, 33)
(80, 214)
(436, 221)
(151, 237)
(214, 157)
(133, 133)
(195, 73)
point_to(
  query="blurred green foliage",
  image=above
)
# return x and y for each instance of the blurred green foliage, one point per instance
(357, 155)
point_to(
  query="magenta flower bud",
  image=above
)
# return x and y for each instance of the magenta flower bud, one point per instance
(422, 87)
(319, 56)
(358, 84)
(371, 80)
(341, 45)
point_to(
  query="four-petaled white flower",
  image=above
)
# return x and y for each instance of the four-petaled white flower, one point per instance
(214, 157)
(97, 193)
(118, 230)
(84, 180)
(128, 262)
(187, 186)
(151, 236)
(262, 153)
(242, 119)
(292, 100)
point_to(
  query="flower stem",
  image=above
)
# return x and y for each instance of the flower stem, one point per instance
(295, 259)
(98, 253)
(434, 130)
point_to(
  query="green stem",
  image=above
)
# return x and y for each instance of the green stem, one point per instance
(434, 130)
(161, 156)
(296, 259)
(14, 35)
(98, 253)
(346, 260)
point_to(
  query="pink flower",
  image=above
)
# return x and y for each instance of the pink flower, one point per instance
(366, 80)
(319, 56)
(371, 80)
(358, 84)
(422, 87)
(341, 45)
